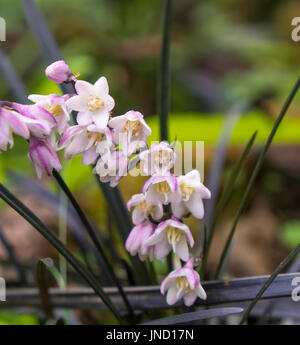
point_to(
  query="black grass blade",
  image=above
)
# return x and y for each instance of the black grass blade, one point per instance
(13, 80)
(194, 316)
(254, 174)
(20, 208)
(42, 279)
(273, 276)
(92, 235)
(164, 72)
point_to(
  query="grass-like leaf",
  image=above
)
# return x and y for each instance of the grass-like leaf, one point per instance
(18, 206)
(227, 192)
(194, 316)
(42, 279)
(93, 236)
(257, 167)
(265, 286)
(164, 72)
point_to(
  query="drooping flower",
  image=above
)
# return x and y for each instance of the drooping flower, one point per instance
(171, 234)
(59, 72)
(92, 102)
(42, 155)
(160, 189)
(89, 141)
(135, 242)
(38, 120)
(189, 194)
(130, 130)
(56, 106)
(11, 122)
(159, 159)
(183, 283)
(142, 211)
(111, 167)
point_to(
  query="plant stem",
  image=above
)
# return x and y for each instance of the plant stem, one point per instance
(93, 236)
(164, 75)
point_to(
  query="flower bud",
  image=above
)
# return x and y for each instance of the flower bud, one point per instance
(59, 72)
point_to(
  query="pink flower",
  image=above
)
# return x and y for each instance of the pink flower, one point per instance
(43, 156)
(88, 140)
(56, 106)
(135, 242)
(189, 195)
(160, 189)
(37, 119)
(59, 72)
(92, 102)
(159, 159)
(183, 283)
(111, 167)
(171, 234)
(11, 122)
(131, 131)
(142, 211)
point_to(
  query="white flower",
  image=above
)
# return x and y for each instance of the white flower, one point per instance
(88, 140)
(183, 283)
(141, 210)
(160, 189)
(92, 102)
(59, 72)
(159, 159)
(135, 242)
(111, 167)
(171, 234)
(56, 105)
(130, 130)
(189, 194)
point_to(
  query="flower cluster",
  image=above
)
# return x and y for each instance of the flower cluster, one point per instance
(102, 140)
(108, 143)
(159, 228)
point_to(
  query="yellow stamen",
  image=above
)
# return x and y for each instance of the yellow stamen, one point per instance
(162, 157)
(94, 103)
(162, 187)
(54, 109)
(173, 234)
(135, 127)
(182, 282)
(142, 206)
(186, 191)
(98, 137)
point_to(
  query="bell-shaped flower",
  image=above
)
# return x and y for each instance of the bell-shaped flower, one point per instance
(92, 102)
(56, 106)
(42, 155)
(130, 131)
(39, 121)
(183, 283)
(159, 159)
(142, 211)
(171, 234)
(111, 167)
(86, 140)
(11, 122)
(59, 72)
(160, 189)
(189, 194)
(135, 242)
